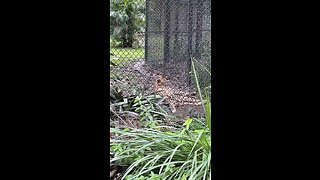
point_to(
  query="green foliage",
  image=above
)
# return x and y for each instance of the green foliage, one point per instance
(201, 71)
(198, 123)
(149, 110)
(126, 18)
(170, 155)
(151, 176)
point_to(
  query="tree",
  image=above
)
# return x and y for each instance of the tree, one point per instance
(126, 18)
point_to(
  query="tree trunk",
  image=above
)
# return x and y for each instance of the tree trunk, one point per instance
(128, 35)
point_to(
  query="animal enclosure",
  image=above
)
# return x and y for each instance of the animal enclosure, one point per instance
(156, 49)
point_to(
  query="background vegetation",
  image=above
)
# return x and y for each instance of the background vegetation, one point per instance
(127, 17)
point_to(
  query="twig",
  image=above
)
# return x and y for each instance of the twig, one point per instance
(116, 114)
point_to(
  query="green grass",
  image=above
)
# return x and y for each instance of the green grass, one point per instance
(123, 56)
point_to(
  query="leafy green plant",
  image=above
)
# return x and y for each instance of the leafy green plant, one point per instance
(149, 110)
(146, 108)
(151, 176)
(171, 155)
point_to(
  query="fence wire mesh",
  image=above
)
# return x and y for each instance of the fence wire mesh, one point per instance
(152, 37)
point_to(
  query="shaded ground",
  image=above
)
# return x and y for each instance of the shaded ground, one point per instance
(137, 76)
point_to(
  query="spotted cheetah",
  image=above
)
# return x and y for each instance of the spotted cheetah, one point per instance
(174, 97)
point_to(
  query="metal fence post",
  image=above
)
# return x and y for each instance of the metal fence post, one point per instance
(167, 33)
(199, 29)
(146, 32)
(190, 32)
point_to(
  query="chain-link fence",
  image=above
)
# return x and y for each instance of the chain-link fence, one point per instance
(178, 31)
(151, 37)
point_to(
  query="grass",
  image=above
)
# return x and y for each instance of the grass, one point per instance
(181, 154)
(122, 56)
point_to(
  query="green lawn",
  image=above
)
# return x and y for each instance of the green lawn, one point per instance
(123, 56)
